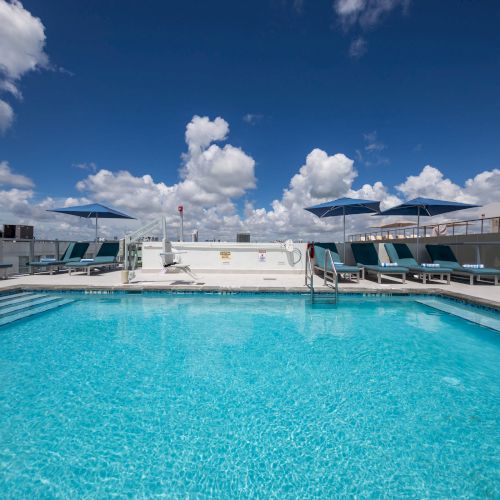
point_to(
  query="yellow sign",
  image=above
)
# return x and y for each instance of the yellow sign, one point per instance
(225, 256)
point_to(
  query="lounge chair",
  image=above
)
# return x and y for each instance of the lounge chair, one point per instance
(401, 255)
(444, 256)
(3, 270)
(106, 258)
(366, 256)
(320, 252)
(74, 253)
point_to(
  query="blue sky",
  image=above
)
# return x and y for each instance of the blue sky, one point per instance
(393, 90)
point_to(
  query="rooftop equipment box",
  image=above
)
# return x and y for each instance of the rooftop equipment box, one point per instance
(243, 238)
(18, 232)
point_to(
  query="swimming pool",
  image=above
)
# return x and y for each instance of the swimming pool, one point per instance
(248, 395)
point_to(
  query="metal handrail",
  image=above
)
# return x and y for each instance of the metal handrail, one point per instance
(335, 275)
(309, 272)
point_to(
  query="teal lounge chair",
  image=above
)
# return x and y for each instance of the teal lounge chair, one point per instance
(3, 270)
(74, 253)
(444, 256)
(366, 256)
(106, 257)
(401, 255)
(320, 253)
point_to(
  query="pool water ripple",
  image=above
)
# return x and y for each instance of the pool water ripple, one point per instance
(224, 396)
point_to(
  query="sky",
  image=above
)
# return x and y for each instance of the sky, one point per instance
(245, 112)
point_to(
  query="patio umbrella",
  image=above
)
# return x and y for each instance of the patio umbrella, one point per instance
(92, 211)
(344, 206)
(425, 207)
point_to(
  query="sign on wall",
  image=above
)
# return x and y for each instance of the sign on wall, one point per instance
(225, 256)
(262, 255)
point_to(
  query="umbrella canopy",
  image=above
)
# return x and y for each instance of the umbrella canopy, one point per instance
(395, 225)
(343, 207)
(425, 207)
(92, 211)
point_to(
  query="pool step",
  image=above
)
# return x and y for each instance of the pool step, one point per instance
(20, 298)
(12, 296)
(475, 316)
(29, 305)
(323, 299)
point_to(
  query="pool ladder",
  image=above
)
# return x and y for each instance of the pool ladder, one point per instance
(327, 273)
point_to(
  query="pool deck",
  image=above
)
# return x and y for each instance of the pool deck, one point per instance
(483, 294)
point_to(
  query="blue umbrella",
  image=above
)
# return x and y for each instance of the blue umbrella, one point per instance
(91, 211)
(344, 206)
(425, 207)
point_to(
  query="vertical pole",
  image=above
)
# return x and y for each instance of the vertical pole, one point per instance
(182, 225)
(343, 216)
(96, 219)
(418, 234)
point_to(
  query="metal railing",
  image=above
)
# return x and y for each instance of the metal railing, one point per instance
(484, 225)
(309, 271)
(333, 272)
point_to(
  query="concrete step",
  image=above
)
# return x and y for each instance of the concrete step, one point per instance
(469, 314)
(20, 298)
(34, 310)
(19, 307)
(11, 296)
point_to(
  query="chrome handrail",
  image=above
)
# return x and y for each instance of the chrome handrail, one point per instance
(335, 276)
(309, 272)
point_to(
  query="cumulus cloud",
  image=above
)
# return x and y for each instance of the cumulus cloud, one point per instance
(6, 116)
(211, 179)
(431, 183)
(21, 50)
(7, 177)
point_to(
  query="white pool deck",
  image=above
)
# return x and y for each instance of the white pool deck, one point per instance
(485, 294)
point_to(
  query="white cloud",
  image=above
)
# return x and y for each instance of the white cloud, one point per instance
(252, 118)
(8, 178)
(358, 48)
(366, 13)
(23, 40)
(201, 132)
(431, 183)
(6, 116)
(213, 176)
(21, 50)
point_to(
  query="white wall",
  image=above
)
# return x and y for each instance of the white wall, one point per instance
(229, 257)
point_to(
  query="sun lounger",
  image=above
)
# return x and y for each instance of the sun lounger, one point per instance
(401, 255)
(444, 256)
(3, 270)
(320, 252)
(366, 256)
(106, 258)
(74, 253)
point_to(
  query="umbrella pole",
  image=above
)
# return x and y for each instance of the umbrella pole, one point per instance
(343, 216)
(418, 234)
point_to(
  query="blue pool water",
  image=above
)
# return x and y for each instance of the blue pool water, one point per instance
(248, 395)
